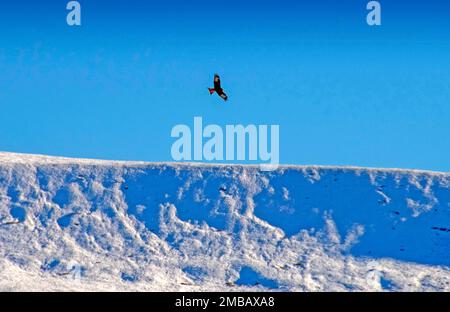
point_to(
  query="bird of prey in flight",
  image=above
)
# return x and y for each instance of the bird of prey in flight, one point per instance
(217, 88)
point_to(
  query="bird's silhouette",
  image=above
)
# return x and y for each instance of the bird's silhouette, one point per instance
(218, 88)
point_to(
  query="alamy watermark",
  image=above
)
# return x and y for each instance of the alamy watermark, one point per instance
(374, 16)
(234, 142)
(74, 270)
(74, 16)
(373, 276)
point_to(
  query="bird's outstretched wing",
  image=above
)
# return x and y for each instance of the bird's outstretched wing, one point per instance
(223, 96)
(216, 81)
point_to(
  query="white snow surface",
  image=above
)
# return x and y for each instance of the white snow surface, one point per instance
(90, 225)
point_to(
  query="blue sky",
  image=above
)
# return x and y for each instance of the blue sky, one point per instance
(342, 92)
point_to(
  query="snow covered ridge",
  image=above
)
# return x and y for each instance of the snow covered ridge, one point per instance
(69, 224)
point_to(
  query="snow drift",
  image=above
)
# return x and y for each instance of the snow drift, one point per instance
(69, 224)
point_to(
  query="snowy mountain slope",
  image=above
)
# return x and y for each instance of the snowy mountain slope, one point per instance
(70, 224)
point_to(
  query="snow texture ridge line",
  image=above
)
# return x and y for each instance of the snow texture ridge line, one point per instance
(72, 224)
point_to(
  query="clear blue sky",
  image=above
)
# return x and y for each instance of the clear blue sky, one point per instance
(342, 92)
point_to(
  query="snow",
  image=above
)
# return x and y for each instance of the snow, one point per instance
(80, 224)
